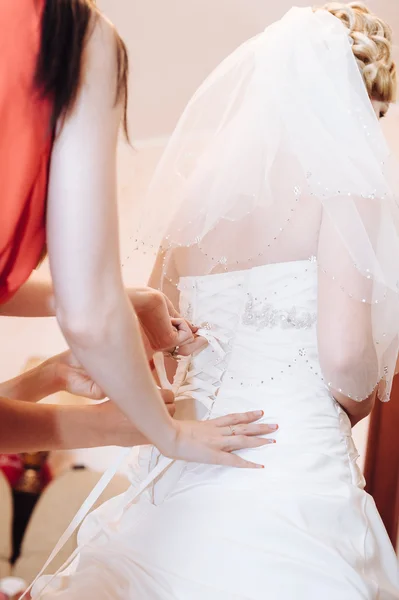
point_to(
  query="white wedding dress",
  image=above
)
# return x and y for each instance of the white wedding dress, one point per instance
(301, 529)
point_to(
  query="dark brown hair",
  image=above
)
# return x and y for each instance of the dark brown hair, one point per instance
(66, 27)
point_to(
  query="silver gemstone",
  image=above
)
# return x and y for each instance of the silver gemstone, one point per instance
(262, 315)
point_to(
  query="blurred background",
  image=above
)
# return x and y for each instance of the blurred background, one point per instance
(173, 46)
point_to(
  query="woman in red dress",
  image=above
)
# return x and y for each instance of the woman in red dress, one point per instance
(63, 96)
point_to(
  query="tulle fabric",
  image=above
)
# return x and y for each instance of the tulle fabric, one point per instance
(279, 157)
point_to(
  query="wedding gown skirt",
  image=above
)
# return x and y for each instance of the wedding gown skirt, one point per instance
(301, 529)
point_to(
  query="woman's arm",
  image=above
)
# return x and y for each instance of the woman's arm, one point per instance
(356, 411)
(24, 428)
(29, 428)
(346, 348)
(33, 427)
(37, 427)
(48, 427)
(92, 307)
(156, 314)
(33, 299)
(59, 373)
(32, 386)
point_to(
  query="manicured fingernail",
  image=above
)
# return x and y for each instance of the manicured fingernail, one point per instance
(273, 427)
(271, 441)
(259, 413)
(260, 466)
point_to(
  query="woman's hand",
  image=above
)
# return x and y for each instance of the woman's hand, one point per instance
(59, 373)
(214, 441)
(69, 376)
(162, 325)
(192, 346)
(73, 379)
(210, 442)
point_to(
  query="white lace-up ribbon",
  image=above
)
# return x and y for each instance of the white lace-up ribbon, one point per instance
(164, 463)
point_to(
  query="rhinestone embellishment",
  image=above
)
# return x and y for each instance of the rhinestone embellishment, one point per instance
(187, 312)
(261, 315)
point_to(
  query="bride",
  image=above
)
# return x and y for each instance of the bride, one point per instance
(274, 220)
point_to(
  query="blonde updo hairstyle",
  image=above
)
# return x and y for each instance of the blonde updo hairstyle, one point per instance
(372, 47)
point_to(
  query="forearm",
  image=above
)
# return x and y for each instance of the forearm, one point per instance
(32, 386)
(354, 373)
(34, 299)
(34, 427)
(113, 355)
(356, 411)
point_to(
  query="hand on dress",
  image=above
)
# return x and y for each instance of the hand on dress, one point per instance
(211, 442)
(216, 440)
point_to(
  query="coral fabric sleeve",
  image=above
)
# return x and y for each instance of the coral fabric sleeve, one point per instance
(25, 145)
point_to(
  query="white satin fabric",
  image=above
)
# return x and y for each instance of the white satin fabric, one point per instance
(303, 528)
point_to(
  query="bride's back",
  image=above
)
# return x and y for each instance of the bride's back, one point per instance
(279, 157)
(268, 357)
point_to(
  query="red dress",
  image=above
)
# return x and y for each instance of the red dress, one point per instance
(25, 145)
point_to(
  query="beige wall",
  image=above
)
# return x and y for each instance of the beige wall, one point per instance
(173, 45)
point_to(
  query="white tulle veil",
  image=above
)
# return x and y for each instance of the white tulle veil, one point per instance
(279, 157)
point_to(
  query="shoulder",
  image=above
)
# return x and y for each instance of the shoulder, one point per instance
(101, 50)
(99, 91)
